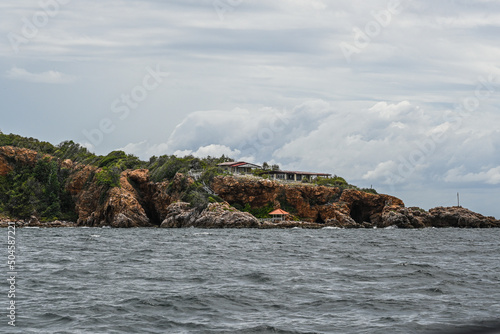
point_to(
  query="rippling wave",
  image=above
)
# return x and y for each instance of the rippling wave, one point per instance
(256, 281)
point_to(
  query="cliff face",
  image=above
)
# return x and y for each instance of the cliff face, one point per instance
(216, 215)
(139, 202)
(19, 155)
(120, 208)
(350, 208)
(307, 202)
(318, 204)
(15, 155)
(5, 168)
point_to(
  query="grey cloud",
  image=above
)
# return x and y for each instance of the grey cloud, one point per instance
(231, 76)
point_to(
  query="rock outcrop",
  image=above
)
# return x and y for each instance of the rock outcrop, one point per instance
(460, 217)
(130, 205)
(216, 215)
(308, 201)
(319, 204)
(350, 208)
(12, 154)
(139, 202)
(5, 167)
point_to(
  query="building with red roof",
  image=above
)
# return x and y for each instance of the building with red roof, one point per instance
(288, 175)
(238, 167)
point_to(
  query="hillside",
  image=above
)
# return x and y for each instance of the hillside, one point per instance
(40, 183)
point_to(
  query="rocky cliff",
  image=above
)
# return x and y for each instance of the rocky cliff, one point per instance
(140, 202)
(326, 206)
(319, 204)
(216, 215)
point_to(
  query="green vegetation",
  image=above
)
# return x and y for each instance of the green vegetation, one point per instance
(37, 191)
(340, 182)
(108, 177)
(195, 194)
(369, 190)
(262, 212)
(165, 167)
(416, 208)
(335, 181)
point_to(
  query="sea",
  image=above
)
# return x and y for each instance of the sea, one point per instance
(151, 280)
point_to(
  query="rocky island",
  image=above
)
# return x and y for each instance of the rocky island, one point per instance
(66, 185)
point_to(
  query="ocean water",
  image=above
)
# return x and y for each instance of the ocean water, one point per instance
(95, 280)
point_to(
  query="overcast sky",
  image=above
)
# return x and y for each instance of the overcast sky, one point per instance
(402, 95)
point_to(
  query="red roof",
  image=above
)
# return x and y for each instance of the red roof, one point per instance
(229, 163)
(238, 164)
(279, 212)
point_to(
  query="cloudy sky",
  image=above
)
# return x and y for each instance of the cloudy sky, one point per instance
(402, 95)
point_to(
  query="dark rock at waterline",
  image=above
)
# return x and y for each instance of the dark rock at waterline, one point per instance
(216, 215)
(139, 202)
(460, 217)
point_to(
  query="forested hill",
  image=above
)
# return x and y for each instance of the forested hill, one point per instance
(35, 182)
(41, 183)
(38, 187)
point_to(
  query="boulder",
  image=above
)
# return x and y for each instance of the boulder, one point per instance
(216, 215)
(456, 216)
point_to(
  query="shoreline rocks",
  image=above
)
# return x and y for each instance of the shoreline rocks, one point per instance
(222, 215)
(31, 223)
(139, 202)
(216, 215)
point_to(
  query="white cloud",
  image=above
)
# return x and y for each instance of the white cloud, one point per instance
(88, 146)
(49, 77)
(390, 111)
(145, 149)
(391, 144)
(255, 134)
(460, 175)
(210, 150)
(383, 169)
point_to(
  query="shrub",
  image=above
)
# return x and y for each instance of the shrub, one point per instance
(335, 181)
(108, 177)
(197, 199)
(262, 212)
(369, 190)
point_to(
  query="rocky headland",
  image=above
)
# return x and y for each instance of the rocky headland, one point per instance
(137, 201)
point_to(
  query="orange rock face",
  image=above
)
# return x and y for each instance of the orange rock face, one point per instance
(17, 155)
(126, 206)
(256, 192)
(22, 155)
(310, 202)
(366, 207)
(140, 202)
(5, 168)
(307, 201)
